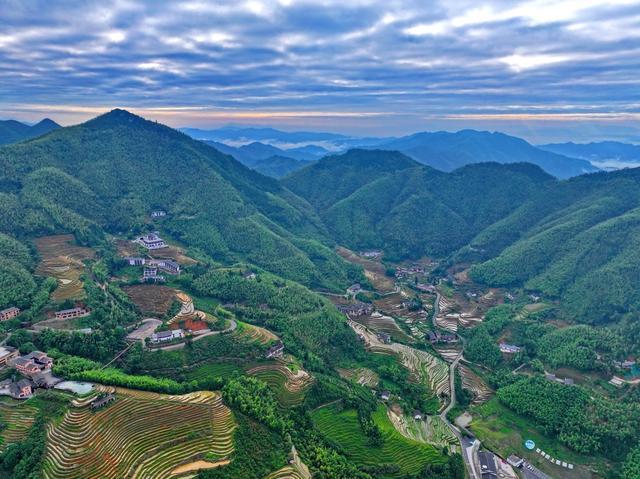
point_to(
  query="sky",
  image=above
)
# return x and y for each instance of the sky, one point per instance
(544, 70)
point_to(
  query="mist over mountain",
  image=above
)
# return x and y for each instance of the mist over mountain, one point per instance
(603, 154)
(447, 151)
(12, 131)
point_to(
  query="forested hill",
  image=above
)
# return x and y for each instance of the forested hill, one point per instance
(385, 199)
(108, 173)
(576, 240)
(12, 131)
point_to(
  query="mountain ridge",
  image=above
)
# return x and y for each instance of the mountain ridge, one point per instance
(13, 131)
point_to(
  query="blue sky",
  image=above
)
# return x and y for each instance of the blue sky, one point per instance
(545, 70)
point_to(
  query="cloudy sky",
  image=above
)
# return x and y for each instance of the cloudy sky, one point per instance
(546, 70)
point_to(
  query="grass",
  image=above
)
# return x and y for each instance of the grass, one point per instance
(343, 429)
(504, 431)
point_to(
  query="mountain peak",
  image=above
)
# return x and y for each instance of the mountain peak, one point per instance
(118, 117)
(48, 123)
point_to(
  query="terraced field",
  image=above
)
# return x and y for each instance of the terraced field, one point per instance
(425, 367)
(18, 418)
(289, 387)
(431, 430)
(384, 324)
(362, 376)
(256, 334)
(343, 429)
(153, 299)
(63, 260)
(141, 435)
(474, 383)
(286, 472)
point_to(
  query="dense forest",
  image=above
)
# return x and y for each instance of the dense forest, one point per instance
(107, 174)
(575, 240)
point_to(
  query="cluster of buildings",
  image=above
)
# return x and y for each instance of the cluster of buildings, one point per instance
(35, 366)
(153, 267)
(355, 309)
(151, 241)
(413, 270)
(158, 214)
(354, 289)
(627, 364)
(102, 400)
(426, 288)
(436, 337)
(371, 254)
(275, 351)
(9, 313)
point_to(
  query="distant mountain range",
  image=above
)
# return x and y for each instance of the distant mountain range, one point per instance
(447, 151)
(605, 154)
(268, 160)
(12, 131)
(442, 150)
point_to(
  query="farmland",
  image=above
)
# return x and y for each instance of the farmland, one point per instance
(289, 387)
(141, 434)
(62, 260)
(18, 418)
(431, 430)
(373, 270)
(256, 334)
(151, 298)
(425, 367)
(343, 428)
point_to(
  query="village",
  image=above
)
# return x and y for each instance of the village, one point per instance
(409, 312)
(421, 310)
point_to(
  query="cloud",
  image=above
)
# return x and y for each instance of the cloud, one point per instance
(384, 65)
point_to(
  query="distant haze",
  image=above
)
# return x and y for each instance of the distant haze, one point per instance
(546, 71)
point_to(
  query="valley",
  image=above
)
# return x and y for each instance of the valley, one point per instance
(358, 319)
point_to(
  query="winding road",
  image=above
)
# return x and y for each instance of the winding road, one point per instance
(468, 449)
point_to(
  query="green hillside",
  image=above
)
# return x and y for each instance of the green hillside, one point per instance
(578, 242)
(108, 173)
(384, 199)
(575, 240)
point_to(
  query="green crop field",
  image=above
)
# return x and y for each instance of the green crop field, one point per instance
(504, 431)
(343, 429)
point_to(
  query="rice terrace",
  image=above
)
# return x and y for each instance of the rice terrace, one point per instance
(149, 435)
(62, 260)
